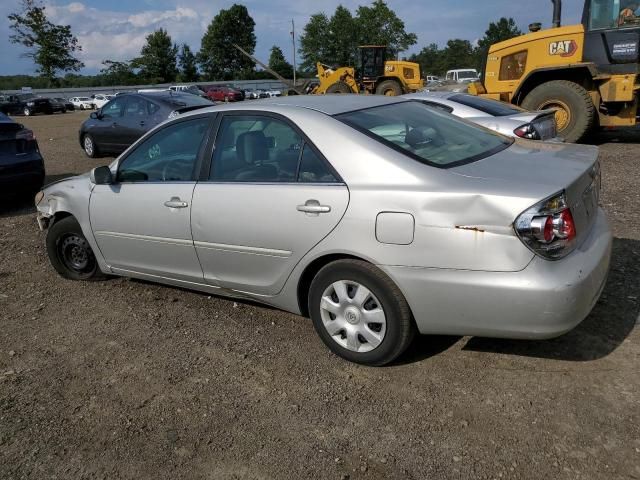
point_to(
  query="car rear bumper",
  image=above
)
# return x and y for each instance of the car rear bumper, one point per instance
(20, 181)
(544, 300)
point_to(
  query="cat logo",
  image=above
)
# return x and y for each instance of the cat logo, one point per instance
(564, 48)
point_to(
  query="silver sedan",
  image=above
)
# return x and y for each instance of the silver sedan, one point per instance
(502, 117)
(377, 217)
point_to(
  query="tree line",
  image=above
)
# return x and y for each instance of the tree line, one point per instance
(331, 40)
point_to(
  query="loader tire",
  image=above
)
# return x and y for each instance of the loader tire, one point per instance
(575, 115)
(339, 87)
(390, 88)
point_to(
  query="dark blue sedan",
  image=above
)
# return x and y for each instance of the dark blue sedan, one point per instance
(21, 164)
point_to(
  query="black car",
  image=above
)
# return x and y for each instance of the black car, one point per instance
(127, 117)
(66, 102)
(29, 104)
(21, 164)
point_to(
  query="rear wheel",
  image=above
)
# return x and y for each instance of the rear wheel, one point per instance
(70, 253)
(339, 87)
(390, 88)
(359, 313)
(575, 112)
(26, 111)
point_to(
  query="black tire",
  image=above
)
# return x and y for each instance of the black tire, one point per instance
(89, 146)
(339, 87)
(400, 327)
(390, 88)
(70, 253)
(576, 116)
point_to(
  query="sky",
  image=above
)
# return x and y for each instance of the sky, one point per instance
(116, 29)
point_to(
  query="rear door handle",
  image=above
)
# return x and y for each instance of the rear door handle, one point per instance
(313, 207)
(175, 202)
(142, 123)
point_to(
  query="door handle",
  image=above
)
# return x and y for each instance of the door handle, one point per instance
(142, 123)
(313, 207)
(175, 202)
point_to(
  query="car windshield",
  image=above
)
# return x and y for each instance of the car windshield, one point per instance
(84, 99)
(487, 105)
(425, 134)
(26, 96)
(467, 74)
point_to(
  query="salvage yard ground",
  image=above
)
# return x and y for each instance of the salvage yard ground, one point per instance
(127, 379)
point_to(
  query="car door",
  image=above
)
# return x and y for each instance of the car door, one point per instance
(268, 198)
(137, 119)
(105, 129)
(141, 222)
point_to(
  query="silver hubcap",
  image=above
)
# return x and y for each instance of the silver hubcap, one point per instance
(353, 316)
(88, 145)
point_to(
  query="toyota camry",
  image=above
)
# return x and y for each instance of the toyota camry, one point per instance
(377, 217)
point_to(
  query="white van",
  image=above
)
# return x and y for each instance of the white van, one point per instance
(462, 75)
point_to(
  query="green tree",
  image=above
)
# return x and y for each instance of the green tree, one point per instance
(314, 42)
(379, 25)
(218, 58)
(278, 63)
(503, 29)
(188, 64)
(430, 60)
(342, 44)
(157, 60)
(50, 46)
(458, 54)
(117, 73)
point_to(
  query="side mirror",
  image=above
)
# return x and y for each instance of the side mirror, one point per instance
(101, 176)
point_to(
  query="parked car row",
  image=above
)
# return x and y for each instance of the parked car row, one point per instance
(378, 217)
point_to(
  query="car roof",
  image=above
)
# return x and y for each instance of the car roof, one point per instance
(5, 118)
(331, 104)
(443, 95)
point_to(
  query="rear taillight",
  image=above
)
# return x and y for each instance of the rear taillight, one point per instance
(527, 131)
(25, 134)
(548, 228)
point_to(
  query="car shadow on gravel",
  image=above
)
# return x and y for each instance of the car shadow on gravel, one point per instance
(611, 321)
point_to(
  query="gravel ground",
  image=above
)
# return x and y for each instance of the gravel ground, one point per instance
(127, 379)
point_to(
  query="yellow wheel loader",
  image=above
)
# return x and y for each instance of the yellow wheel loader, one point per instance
(375, 75)
(588, 72)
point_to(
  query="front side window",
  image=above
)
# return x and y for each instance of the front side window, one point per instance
(113, 109)
(425, 134)
(512, 66)
(256, 148)
(169, 155)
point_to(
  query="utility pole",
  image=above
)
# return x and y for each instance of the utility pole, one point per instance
(293, 39)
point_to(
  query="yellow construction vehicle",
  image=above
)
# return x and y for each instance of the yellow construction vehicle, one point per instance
(375, 75)
(588, 72)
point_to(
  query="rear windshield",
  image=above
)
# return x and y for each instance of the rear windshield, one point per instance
(425, 134)
(186, 100)
(492, 107)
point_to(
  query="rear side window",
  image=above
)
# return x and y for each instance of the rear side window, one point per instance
(486, 105)
(425, 134)
(254, 148)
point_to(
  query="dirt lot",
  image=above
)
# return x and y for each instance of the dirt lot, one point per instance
(125, 379)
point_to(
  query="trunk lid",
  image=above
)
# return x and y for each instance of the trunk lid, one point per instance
(539, 170)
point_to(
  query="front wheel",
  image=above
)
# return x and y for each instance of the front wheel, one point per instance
(339, 87)
(26, 111)
(575, 111)
(359, 313)
(70, 253)
(89, 146)
(390, 88)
